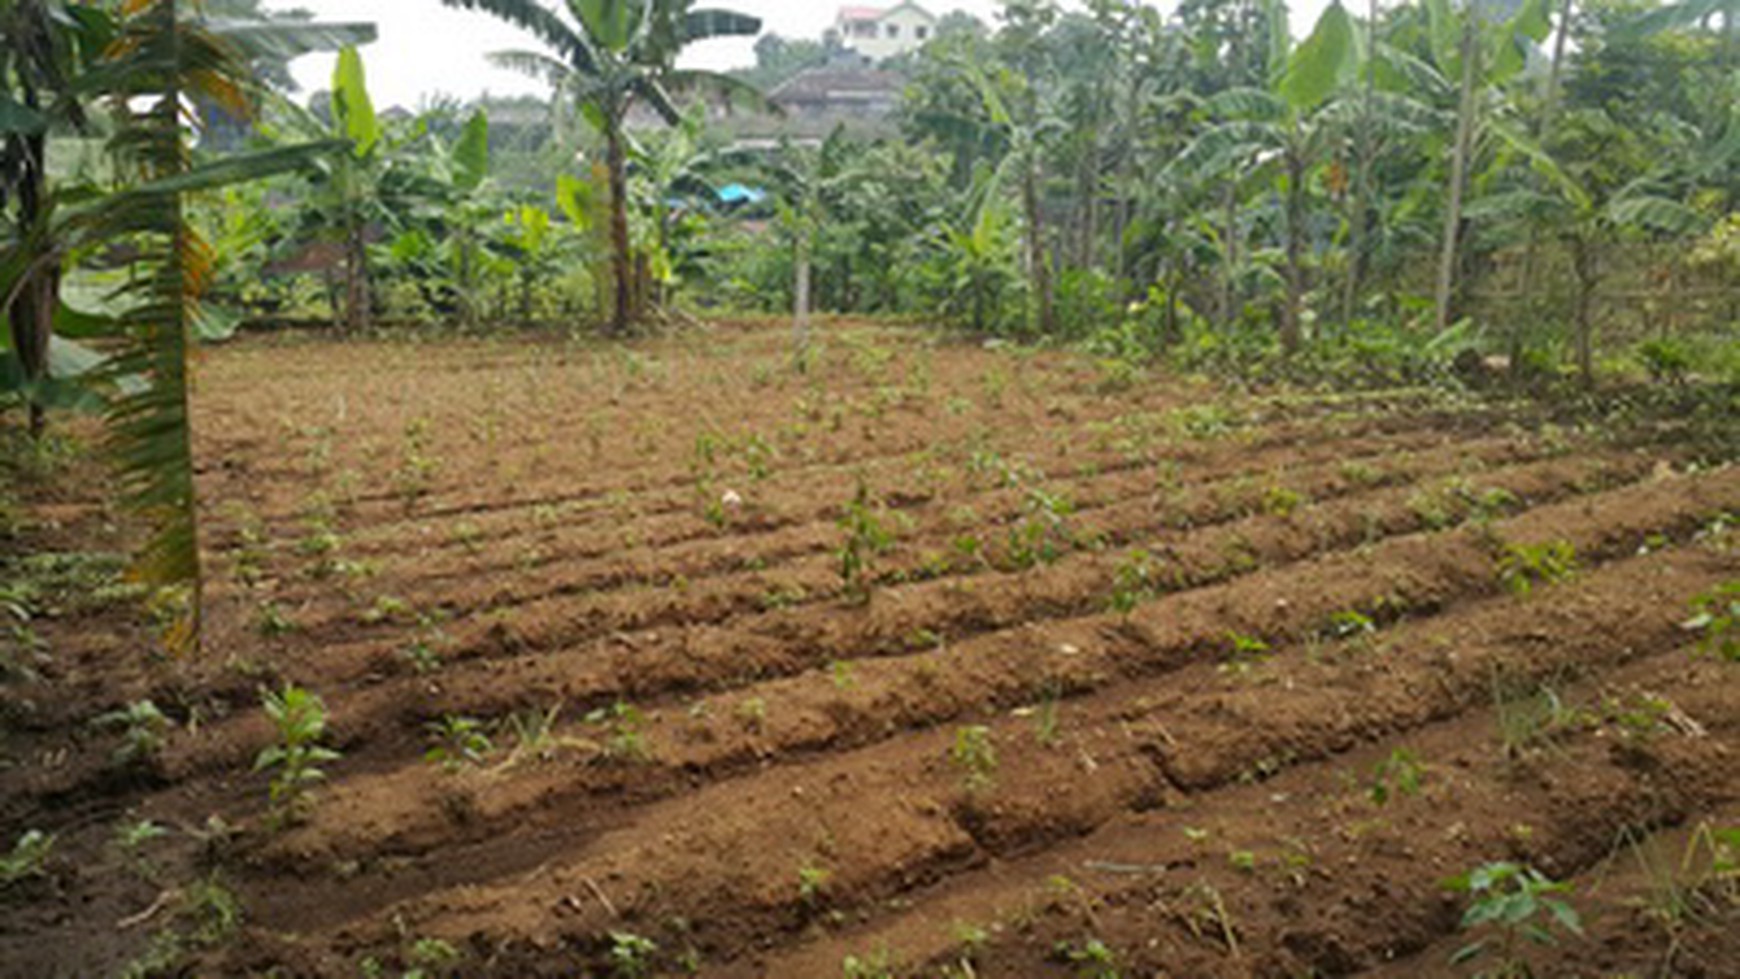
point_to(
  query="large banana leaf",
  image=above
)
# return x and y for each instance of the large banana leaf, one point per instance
(1655, 213)
(283, 40)
(1327, 59)
(471, 153)
(352, 107)
(699, 25)
(1671, 16)
(611, 24)
(542, 23)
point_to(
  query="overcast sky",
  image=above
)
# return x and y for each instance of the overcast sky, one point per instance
(427, 48)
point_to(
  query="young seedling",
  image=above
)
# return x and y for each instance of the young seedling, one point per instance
(812, 882)
(622, 723)
(459, 741)
(1718, 620)
(631, 956)
(865, 538)
(1400, 773)
(295, 760)
(28, 859)
(975, 756)
(1511, 905)
(1521, 567)
(1133, 582)
(142, 728)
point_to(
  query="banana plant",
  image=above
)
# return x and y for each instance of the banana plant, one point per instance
(602, 59)
(1283, 133)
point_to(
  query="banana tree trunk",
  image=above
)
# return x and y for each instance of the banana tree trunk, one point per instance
(1229, 299)
(1459, 168)
(1364, 147)
(1584, 262)
(1293, 313)
(1549, 115)
(621, 259)
(1039, 264)
(800, 324)
(31, 313)
(356, 279)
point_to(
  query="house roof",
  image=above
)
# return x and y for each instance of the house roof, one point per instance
(838, 84)
(862, 13)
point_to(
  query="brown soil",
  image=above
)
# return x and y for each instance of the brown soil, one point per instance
(1133, 689)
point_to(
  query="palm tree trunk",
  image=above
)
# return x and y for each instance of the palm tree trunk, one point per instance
(1459, 167)
(621, 261)
(1549, 114)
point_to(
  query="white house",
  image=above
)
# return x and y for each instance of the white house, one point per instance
(880, 33)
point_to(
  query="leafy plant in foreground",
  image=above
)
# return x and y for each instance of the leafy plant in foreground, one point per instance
(295, 759)
(1513, 905)
(142, 728)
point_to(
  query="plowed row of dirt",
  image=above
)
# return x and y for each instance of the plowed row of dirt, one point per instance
(1141, 681)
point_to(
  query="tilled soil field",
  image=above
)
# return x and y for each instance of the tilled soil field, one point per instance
(923, 659)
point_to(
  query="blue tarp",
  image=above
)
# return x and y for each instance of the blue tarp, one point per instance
(739, 194)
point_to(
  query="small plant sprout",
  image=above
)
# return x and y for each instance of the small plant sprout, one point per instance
(1717, 618)
(1349, 624)
(130, 840)
(295, 759)
(865, 538)
(1246, 651)
(1133, 582)
(1091, 959)
(812, 882)
(28, 859)
(631, 956)
(459, 741)
(622, 723)
(1522, 567)
(1511, 905)
(142, 728)
(1399, 774)
(975, 756)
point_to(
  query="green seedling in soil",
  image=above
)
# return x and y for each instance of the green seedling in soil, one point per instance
(975, 756)
(1522, 567)
(421, 657)
(1045, 723)
(274, 621)
(459, 741)
(1512, 906)
(430, 957)
(1279, 501)
(1246, 652)
(812, 881)
(28, 859)
(1718, 614)
(206, 914)
(842, 672)
(1133, 582)
(1349, 624)
(1527, 717)
(1091, 959)
(631, 956)
(388, 608)
(1245, 860)
(1399, 774)
(294, 761)
(142, 728)
(877, 965)
(622, 725)
(1043, 533)
(753, 713)
(865, 538)
(130, 840)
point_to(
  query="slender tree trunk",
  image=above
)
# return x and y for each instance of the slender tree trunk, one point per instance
(1291, 326)
(356, 279)
(1036, 256)
(800, 327)
(1364, 148)
(1544, 130)
(1584, 262)
(1459, 163)
(31, 313)
(621, 261)
(1229, 279)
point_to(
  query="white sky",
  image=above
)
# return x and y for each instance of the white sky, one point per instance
(428, 48)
